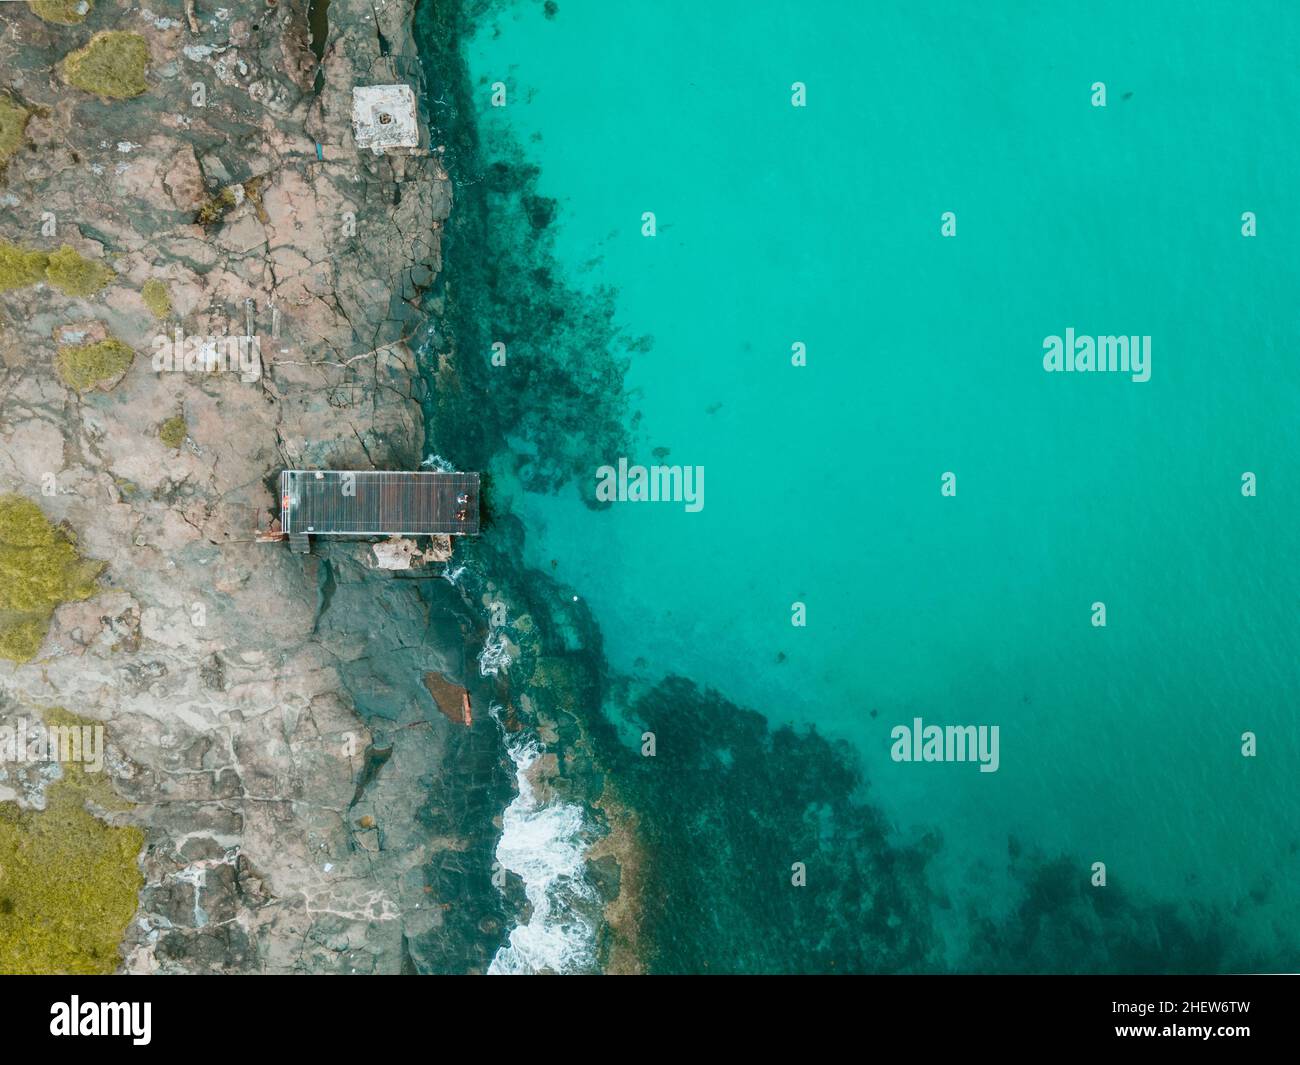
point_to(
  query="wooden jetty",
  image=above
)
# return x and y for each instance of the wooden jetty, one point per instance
(376, 503)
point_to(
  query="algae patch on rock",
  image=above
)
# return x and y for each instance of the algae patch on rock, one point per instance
(20, 267)
(39, 569)
(75, 275)
(111, 65)
(86, 366)
(173, 431)
(156, 298)
(220, 205)
(66, 269)
(64, 12)
(69, 886)
(93, 785)
(13, 123)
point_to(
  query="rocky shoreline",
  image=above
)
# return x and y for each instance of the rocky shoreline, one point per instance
(304, 767)
(304, 804)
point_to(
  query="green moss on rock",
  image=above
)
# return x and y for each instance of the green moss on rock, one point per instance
(157, 298)
(64, 12)
(75, 275)
(84, 366)
(13, 122)
(111, 65)
(219, 206)
(21, 635)
(21, 266)
(173, 431)
(39, 569)
(69, 886)
(94, 786)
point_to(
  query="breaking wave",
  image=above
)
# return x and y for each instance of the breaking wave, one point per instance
(438, 464)
(495, 655)
(543, 844)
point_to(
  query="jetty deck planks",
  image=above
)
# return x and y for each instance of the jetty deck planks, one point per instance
(378, 503)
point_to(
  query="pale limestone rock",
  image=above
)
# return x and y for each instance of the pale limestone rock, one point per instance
(395, 553)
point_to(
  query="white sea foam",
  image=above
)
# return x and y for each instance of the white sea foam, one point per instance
(438, 464)
(495, 655)
(543, 843)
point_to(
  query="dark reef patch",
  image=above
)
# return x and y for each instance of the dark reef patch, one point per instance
(729, 807)
(1065, 925)
(558, 403)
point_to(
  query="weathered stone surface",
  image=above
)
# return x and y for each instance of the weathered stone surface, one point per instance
(234, 730)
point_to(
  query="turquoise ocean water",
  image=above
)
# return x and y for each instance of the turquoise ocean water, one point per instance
(821, 225)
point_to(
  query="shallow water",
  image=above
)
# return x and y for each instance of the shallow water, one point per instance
(820, 225)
